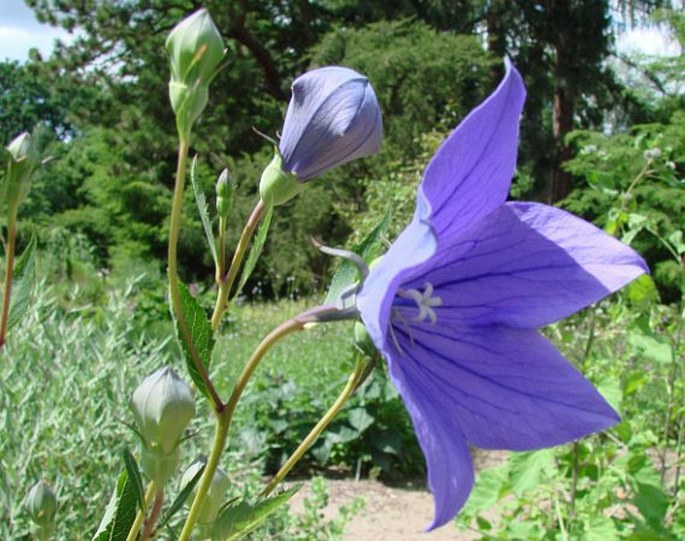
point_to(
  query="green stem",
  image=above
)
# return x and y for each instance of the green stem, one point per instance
(149, 527)
(308, 441)
(140, 516)
(174, 293)
(225, 416)
(227, 281)
(9, 267)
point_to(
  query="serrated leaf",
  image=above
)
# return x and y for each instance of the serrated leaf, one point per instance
(610, 389)
(528, 468)
(642, 290)
(182, 497)
(347, 273)
(256, 250)
(200, 333)
(203, 209)
(136, 479)
(23, 277)
(120, 513)
(240, 518)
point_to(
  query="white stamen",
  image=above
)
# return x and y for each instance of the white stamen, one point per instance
(425, 302)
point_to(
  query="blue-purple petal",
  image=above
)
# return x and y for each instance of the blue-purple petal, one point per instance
(333, 117)
(525, 265)
(471, 172)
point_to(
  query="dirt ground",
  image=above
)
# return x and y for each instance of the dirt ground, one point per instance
(397, 512)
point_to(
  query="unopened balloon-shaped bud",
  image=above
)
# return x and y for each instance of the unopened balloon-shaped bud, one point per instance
(22, 160)
(216, 493)
(225, 188)
(163, 406)
(333, 117)
(195, 49)
(41, 504)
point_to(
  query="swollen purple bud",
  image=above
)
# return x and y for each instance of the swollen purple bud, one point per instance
(333, 117)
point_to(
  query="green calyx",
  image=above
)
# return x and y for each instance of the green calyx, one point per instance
(276, 185)
(157, 465)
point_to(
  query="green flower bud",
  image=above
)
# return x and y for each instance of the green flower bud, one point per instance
(23, 159)
(276, 185)
(216, 494)
(41, 504)
(163, 406)
(225, 187)
(195, 49)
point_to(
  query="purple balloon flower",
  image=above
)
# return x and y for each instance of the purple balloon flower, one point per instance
(455, 304)
(333, 117)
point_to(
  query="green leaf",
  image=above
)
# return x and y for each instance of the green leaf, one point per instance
(347, 273)
(600, 529)
(610, 389)
(256, 250)
(676, 239)
(652, 502)
(528, 468)
(182, 497)
(360, 419)
(23, 277)
(120, 513)
(136, 479)
(652, 348)
(239, 518)
(203, 209)
(200, 333)
(642, 290)
(491, 485)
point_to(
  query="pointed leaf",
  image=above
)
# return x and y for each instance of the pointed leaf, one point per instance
(182, 497)
(203, 209)
(528, 468)
(256, 250)
(120, 512)
(200, 333)
(23, 277)
(136, 479)
(347, 274)
(238, 519)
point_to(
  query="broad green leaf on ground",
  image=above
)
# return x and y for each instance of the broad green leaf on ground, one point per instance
(360, 419)
(652, 348)
(652, 502)
(347, 273)
(527, 469)
(22, 281)
(610, 389)
(120, 512)
(256, 250)
(202, 208)
(642, 291)
(238, 519)
(136, 479)
(600, 529)
(200, 333)
(491, 485)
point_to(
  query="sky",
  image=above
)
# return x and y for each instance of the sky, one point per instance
(19, 31)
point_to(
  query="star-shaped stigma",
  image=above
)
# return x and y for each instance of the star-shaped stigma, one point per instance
(425, 302)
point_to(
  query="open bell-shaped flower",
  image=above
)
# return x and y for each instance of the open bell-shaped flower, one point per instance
(333, 117)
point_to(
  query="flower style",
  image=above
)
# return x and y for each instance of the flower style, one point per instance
(333, 117)
(455, 304)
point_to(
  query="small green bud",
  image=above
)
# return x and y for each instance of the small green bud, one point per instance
(41, 504)
(195, 49)
(163, 406)
(216, 494)
(23, 159)
(225, 187)
(276, 185)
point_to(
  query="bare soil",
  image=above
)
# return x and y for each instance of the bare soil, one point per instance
(399, 511)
